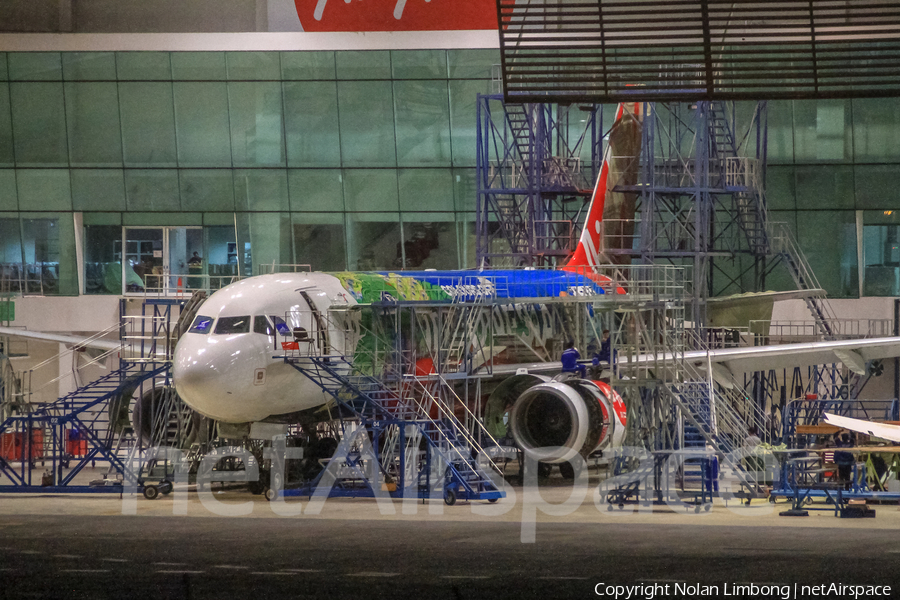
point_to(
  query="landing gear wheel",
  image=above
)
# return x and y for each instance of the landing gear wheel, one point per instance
(166, 487)
(151, 492)
(567, 470)
(450, 497)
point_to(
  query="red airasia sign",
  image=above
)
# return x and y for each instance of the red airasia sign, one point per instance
(396, 15)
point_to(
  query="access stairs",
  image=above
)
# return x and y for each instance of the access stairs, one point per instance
(717, 428)
(77, 416)
(423, 450)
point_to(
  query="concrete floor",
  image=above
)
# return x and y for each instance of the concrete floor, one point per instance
(228, 543)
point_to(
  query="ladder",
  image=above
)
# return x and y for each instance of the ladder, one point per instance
(402, 402)
(787, 248)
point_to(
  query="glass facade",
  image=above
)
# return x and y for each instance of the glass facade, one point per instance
(340, 160)
(333, 159)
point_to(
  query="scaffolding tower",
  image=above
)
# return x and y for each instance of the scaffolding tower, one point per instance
(536, 166)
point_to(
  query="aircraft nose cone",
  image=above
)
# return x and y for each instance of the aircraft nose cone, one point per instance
(204, 378)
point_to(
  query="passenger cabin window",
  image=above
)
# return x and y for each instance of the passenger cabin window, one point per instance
(261, 325)
(226, 325)
(201, 325)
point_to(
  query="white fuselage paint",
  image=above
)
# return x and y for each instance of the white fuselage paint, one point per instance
(218, 375)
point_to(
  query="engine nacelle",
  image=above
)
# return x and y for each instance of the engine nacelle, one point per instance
(552, 421)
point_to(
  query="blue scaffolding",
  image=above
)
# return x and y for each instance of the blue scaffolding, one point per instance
(81, 428)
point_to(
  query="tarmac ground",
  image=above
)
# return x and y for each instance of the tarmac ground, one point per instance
(551, 542)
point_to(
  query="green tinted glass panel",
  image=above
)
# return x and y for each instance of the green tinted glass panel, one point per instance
(313, 190)
(825, 187)
(102, 269)
(472, 64)
(10, 241)
(161, 219)
(307, 65)
(261, 189)
(828, 239)
(367, 124)
(311, 123)
(91, 66)
(8, 197)
(253, 65)
(881, 254)
(876, 187)
(39, 128)
(257, 131)
(822, 130)
(215, 218)
(422, 123)
(419, 64)
(187, 66)
(780, 117)
(368, 190)
(463, 97)
(220, 256)
(207, 189)
(876, 129)
(465, 190)
(201, 122)
(6, 139)
(318, 241)
(98, 189)
(781, 188)
(148, 124)
(429, 241)
(374, 245)
(48, 244)
(92, 119)
(152, 189)
(101, 218)
(363, 64)
(47, 189)
(35, 66)
(426, 190)
(4, 72)
(138, 66)
(269, 236)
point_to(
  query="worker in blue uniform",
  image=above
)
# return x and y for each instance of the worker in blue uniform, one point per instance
(843, 459)
(570, 358)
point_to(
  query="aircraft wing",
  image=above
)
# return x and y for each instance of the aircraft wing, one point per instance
(853, 353)
(731, 362)
(69, 340)
(880, 430)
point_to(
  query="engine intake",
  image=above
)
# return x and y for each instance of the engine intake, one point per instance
(553, 421)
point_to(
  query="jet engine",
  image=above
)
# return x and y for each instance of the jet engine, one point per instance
(161, 418)
(553, 420)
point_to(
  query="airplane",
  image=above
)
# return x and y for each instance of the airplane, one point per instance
(228, 365)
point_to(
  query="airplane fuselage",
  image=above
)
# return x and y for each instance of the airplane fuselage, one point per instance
(227, 368)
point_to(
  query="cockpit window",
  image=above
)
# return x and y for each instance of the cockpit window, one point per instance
(233, 325)
(262, 325)
(201, 325)
(280, 326)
